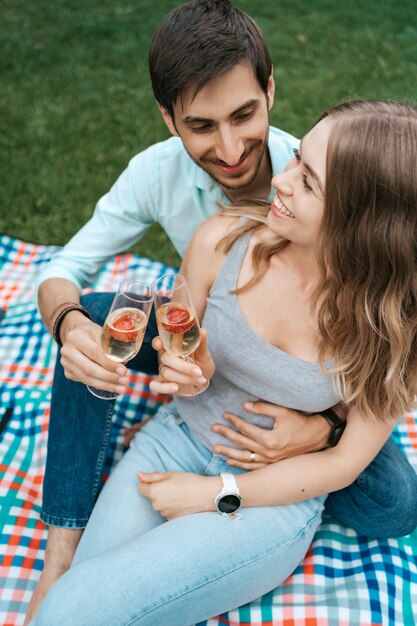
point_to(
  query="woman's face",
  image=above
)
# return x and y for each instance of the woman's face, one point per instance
(297, 209)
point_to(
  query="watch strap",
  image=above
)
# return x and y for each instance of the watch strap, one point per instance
(337, 426)
(229, 482)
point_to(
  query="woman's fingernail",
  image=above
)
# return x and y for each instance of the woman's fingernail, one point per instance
(121, 370)
(120, 389)
(249, 405)
(197, 371)
(202, 380)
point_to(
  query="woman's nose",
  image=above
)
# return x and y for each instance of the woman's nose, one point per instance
(284, 182)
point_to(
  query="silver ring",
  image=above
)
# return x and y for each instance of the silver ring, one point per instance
(252, 457)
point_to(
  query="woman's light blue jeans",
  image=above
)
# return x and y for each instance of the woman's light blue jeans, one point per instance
(133, 567)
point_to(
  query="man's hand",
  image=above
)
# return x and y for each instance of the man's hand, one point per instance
(291, 435)
(173, 494)
(83, 359)
(175, 371)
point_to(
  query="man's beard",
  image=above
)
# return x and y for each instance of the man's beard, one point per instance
(261, 145)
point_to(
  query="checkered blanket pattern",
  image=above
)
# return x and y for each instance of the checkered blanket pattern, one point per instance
(345, 580)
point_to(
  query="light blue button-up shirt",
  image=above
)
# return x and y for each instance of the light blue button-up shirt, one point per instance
(161, 184)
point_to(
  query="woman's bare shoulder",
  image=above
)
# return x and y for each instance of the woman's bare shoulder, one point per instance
(214, 229)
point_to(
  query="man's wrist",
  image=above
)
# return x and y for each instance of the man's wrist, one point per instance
(336, 425)
(71, 320)
(59, 315)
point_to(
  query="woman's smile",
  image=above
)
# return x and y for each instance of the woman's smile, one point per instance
(279, 209)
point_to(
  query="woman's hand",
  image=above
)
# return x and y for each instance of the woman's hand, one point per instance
(173, 494)
(291, 435)
(175, 371)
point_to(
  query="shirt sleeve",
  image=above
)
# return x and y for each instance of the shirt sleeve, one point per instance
(121, 218)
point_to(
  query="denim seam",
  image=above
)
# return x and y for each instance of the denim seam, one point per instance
(102, 456)
(136, 621)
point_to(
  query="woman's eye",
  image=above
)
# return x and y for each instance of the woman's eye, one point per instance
(304, 178)
(305, 183)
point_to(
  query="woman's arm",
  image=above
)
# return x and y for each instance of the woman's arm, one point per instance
(202, 261)
(200, 266)
(311, 475)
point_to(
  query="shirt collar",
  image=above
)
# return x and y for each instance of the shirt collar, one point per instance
(201, 179)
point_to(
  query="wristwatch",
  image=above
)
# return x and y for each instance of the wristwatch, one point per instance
(228, 500)
(337, 426)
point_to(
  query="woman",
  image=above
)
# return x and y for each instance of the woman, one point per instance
(329, 284)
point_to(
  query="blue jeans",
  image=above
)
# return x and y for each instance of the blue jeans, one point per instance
(382, 502)
(134, 568)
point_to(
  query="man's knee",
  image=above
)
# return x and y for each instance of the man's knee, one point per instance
(98, 305)
(382, 502)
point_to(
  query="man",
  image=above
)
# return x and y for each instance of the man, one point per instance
(212, 78)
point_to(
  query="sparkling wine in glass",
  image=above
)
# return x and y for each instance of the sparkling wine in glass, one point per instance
(177, 322)
(125, 326)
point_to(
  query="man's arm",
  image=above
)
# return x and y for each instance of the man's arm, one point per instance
(52, 294)
(120, 218)
(292, 434)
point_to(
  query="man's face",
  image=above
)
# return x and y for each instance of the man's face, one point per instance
(225, 127)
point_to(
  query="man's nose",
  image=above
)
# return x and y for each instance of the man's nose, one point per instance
(230, 145)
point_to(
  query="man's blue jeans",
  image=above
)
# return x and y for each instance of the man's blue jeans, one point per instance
(382, 502)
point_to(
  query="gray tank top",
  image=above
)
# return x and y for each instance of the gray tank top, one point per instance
(248, 368)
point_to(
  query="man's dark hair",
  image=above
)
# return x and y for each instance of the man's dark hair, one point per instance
(200, 40)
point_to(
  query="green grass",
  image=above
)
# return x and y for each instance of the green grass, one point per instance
(76, 102)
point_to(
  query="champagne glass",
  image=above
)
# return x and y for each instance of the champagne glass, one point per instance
(177, 322)
(124, 329)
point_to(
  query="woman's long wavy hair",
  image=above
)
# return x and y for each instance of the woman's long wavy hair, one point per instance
(366, 301)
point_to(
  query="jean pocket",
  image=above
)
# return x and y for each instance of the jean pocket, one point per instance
(165, 413)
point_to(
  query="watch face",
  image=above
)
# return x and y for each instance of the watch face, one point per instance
(229, 504)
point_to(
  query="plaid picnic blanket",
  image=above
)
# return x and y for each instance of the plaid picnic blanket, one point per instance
(345, 580)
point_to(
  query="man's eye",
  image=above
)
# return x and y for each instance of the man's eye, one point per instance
(245, 116)
(201, 129)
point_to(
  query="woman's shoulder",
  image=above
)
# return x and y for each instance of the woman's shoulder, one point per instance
(204, 258)
(212, 231)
